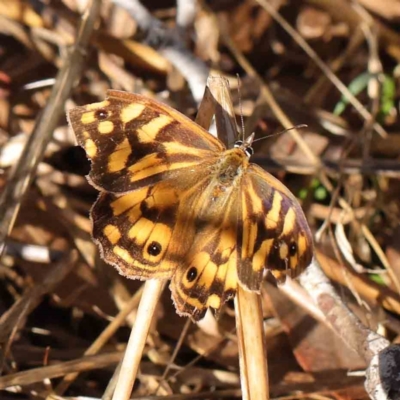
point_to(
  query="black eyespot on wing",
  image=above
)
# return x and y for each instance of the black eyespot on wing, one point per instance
(191, 274)
(101, 114)
(154, 248)
(292, 249)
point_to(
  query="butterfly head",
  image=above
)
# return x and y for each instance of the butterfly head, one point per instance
(246, 145)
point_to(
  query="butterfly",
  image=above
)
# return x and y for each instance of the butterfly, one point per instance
(176, 204)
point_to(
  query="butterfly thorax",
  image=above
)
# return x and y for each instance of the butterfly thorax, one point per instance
(232, 164)
(221, 188)
(227, 173)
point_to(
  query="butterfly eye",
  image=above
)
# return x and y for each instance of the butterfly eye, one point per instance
(249, 151)
(293, 249)
(101, 113)
(154, 248)
(238, 143)
(191, 274)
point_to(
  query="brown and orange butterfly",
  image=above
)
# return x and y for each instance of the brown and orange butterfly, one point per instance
(176, 204)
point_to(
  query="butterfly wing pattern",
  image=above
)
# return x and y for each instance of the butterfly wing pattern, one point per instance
(133, 141)
(273, 231)
(175, 204)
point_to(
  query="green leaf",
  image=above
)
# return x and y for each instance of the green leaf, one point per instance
(321, 193)
(377, 278)
(388, 95)
(356, 86)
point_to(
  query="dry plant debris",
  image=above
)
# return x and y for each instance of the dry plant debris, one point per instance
(333, 65)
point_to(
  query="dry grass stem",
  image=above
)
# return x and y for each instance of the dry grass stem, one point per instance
(103, 338)
(134, 349)
(251, 342)
(327, 71)
(23, 173)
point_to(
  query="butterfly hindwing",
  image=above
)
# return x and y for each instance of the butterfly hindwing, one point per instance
(133, 141)
(174, 229)
(272, 232)
(134, 230)
(207, 275)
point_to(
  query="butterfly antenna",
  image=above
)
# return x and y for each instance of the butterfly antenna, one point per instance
(301, 126)
(240, 106)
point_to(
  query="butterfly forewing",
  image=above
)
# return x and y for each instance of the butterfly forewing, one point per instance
(273, 232)
(133, 141)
